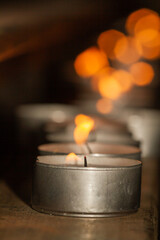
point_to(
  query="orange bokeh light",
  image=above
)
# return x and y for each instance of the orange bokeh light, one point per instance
(107, 41)
(134, 17)
(107, 71)
(125, 79)
(72, 157)
(109, 87)
(142, 73)
(147, 28)
(127, 50)
(151, 49)
(89, 62)
(84, 124)
(151, 53)
(154, 42)
(104, 106)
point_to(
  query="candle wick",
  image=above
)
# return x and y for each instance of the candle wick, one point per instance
(85, 161)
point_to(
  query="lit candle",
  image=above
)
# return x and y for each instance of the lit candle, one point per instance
(100, 149)
(105, 187)
(96, 136)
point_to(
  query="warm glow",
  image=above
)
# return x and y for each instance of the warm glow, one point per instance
(142, 72)
(104, 106)
(127, 50)
(125, 79)
(81, 118)
(94, 84)
(72, 157)
(151, 49)
(109, 87)
(81, 134)
(107, 71)
(147, 28)
(154, 42)
(134, 18)
(151, 53)
(90, 61)
(107, 41)
(84, 124)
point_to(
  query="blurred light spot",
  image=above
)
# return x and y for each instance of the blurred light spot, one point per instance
(142, 72)
(125, 79)
(103, 72)
(90, 61)
(151, 53)
(58, 116)
(127, 50)
(154, 42)
(104, 106)
(109, 87)
(134, 17)
(151, 49)
(147, 28)
(107, 41)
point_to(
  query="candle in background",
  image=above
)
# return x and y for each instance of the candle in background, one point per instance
(100, 149)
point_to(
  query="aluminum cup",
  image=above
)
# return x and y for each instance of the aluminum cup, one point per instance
(100, 149)
(106, 187)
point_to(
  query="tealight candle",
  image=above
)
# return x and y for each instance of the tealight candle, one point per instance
(99, 136)
(116, 138)
(111, 125)
(102, 124)
(100, 149)
(67, 137)
(106, 187)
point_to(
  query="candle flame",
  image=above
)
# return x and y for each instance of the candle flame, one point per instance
(84, 124)
(72, 157)
(82, 118)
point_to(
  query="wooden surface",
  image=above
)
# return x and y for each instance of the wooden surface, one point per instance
(19, 221)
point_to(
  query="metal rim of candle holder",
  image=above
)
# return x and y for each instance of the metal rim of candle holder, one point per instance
(136, 154)
(125, 140)
(83, 215)
(92, 193)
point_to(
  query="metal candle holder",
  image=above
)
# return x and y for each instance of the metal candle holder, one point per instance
(96, 149)
(99, 136)
(66, 137)
(106, 187)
